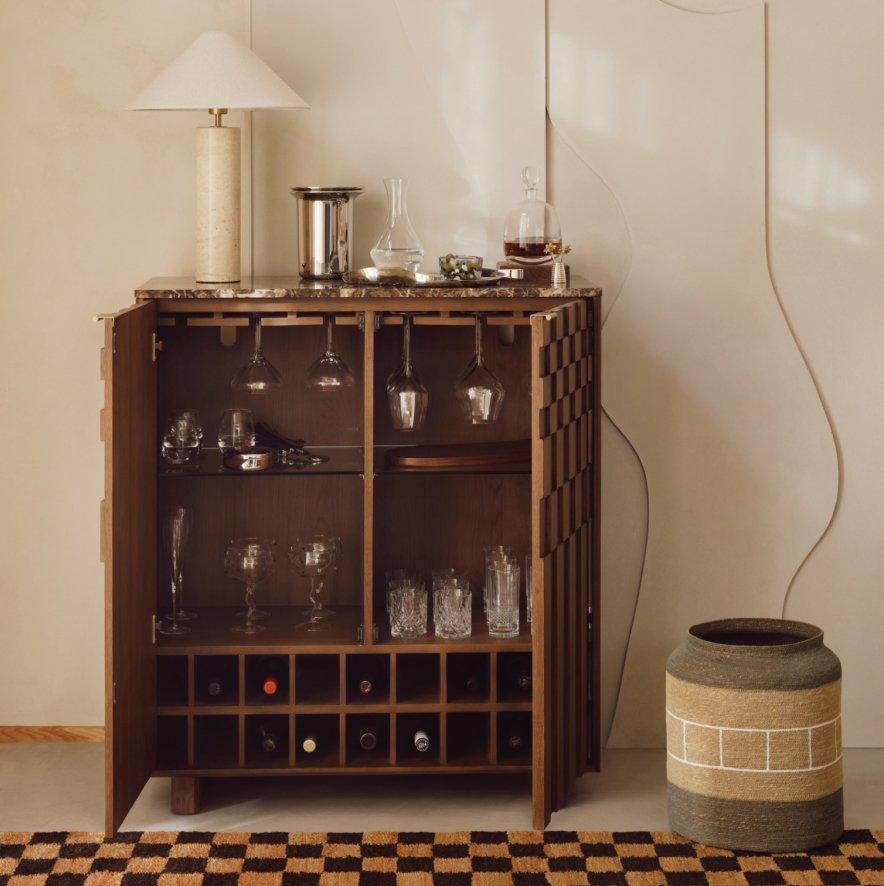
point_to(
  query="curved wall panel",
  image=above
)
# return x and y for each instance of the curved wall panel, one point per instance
(701, 372)
(826, 225)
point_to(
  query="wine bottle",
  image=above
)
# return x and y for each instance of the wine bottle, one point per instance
(368, 741)
(309, 745)
(269, 741)
(215, 687)
(473, 684)
(370, 676)
(421, 741)
(270, 677)
(518, 674)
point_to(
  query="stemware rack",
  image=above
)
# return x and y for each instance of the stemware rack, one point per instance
(178, 347)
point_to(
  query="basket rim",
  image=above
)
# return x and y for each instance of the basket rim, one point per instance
(806, 635)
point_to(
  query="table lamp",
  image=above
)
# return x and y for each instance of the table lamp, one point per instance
(216, 74)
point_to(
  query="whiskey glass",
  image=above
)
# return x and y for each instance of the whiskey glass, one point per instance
(479, 392)
(407, 608)
(452, 609)
(313, 557)
(329, 372)
(182, 438)
(259, 375)
(249, 560)
(236, 432)
(176, 531)
(406, 395)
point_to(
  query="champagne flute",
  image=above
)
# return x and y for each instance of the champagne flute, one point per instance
(479, 391)
(176, 530)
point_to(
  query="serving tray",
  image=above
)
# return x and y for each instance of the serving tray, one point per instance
(399, 277)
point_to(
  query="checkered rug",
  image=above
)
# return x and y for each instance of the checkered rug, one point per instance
(477, 857)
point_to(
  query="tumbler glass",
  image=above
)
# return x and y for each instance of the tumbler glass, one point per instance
(494, 555)
(237, 431)
(407, 609)
(502, 597)
(453, 610)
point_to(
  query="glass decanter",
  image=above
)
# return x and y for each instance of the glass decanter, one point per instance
(531, 226)
(398, 246)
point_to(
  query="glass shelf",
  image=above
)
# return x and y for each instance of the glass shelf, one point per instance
(341, 460)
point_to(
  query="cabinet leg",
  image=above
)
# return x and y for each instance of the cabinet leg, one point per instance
(185, 797)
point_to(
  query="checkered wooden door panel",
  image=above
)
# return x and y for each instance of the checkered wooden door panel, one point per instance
(562, 446)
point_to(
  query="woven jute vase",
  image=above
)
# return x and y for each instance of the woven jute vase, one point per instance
(753, 736)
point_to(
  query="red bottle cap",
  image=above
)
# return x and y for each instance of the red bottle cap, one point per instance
(270, 686)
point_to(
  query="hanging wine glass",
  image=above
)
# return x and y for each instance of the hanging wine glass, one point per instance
(249, 560)
(259, 375)
(479, 391)
(329, 372)
(406, 394)
(313, 557)
(176, 530)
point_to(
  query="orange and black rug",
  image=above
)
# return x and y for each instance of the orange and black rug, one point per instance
(482, 857)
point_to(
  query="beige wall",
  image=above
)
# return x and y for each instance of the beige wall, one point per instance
(720, 174)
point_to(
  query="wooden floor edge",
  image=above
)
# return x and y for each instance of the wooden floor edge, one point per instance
(10, 734)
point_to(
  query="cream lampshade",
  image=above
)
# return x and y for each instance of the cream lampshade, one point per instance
(217, 73)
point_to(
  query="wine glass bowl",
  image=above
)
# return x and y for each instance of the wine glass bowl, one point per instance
(259, 375)
(249, 560)
(329, 372)
(313, 557)
(478, 391)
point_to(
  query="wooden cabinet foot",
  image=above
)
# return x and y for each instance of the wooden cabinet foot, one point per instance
(185, 797)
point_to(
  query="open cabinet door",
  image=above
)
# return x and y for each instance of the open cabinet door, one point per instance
(562, 548)
(128, 551)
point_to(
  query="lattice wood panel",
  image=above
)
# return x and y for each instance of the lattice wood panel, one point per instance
(562, 446)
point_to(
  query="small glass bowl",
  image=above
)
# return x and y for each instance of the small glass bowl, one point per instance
(460, 267)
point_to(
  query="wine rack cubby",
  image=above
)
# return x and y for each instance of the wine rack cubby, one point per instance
(351, 699)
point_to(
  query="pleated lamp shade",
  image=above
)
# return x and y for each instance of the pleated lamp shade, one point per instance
(216, 71)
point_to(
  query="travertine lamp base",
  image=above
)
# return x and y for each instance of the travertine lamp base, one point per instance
(217, 204)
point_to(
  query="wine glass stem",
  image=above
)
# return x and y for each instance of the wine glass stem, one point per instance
(478, 338)
(406, 342)
(176, 603)
(329, 323)
(257, 336)
(315, 591)
(250, 603)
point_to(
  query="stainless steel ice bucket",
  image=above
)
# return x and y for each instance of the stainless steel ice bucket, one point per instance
(325, 231)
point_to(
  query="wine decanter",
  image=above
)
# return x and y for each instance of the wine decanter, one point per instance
(398, 246)
(531, 226)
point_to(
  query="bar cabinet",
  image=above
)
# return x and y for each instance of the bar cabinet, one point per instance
(177, 347)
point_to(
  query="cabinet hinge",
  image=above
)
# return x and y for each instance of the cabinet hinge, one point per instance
(156, 346)
(154, 624)
(360, 634)
(114, 692)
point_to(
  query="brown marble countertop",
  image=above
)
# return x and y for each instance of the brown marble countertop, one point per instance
(295, 287)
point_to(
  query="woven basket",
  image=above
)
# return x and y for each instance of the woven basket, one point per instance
(753, 736)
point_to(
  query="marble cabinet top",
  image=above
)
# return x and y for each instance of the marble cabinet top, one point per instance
(295, 287)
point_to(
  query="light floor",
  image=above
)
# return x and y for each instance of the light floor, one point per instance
(60, 787)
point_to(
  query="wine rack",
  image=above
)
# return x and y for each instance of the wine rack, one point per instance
(200, 733)
(351, 699)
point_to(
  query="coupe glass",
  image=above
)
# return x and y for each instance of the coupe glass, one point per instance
(313, 557)
(259, 375)
(406, 394)
(329, 372)
(176, 530)
(479, 391)
(236, 431)
(249, 560)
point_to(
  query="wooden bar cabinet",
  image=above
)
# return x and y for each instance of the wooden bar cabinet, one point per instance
(178, 347)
